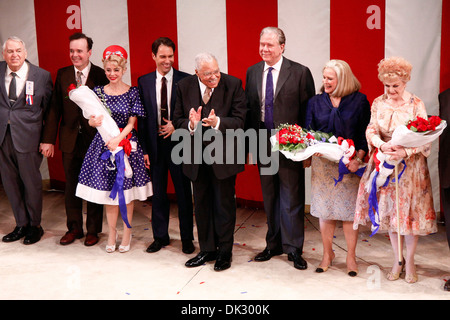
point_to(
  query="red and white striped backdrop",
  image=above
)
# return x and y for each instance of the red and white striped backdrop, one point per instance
(361, 32)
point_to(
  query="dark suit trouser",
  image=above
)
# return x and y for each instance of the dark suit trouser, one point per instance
(284, 203)
(215, 210)
(160, 201)
(22, 181)
(72, 163)
(445, 192)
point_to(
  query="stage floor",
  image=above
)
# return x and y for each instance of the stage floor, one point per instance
(46, 270)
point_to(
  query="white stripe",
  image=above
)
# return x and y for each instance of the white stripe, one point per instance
(106, 22)
(306, 25)
(17, 18)
(201, 28)
(413, 31)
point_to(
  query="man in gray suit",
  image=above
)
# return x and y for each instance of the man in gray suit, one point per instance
(277, 91)
(25, 93)
(444, 163)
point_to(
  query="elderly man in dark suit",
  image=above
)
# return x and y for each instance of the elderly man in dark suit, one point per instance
(444, 163)
(158, 94)
(25, 93)
(277, 91)
(75, 136)
(212, 104)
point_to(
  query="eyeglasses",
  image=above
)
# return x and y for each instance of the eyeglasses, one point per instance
(209, 74)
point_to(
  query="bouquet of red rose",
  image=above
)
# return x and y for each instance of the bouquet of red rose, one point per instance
(418, 132)
(298, 144)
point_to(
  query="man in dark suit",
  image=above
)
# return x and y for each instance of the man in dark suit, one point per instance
(25, 93)
(75, 136)
(154, 134)
(444, 163)
(277, 91)
(211, 103)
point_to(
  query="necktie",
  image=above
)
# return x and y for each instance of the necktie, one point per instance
(268, 115)
(207, 95)
(12, 89)
(79, 83)
(164, 107)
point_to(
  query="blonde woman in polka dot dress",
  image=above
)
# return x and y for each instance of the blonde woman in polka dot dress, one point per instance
(98, 176)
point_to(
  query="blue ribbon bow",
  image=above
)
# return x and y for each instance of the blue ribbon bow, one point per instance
(373, 201)
(344, 170)
(118, 183)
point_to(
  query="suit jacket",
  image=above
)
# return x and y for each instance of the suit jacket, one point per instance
(148, 127)
(294, 88)
(64, 113)
(25, 120)
(444, 144)
(228, 102)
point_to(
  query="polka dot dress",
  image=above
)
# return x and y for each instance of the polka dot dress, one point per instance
(97, 176)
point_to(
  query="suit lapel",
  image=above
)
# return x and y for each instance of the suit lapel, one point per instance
(218, 96)
(2, 83)
(283, 76)
(259, 78)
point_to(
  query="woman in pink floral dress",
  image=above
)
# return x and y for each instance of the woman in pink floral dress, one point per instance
(417, 215)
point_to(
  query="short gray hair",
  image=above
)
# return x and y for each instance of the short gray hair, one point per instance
(16, 39)
(277, 31)
(203, 57)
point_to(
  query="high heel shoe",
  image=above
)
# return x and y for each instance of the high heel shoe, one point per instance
(320, 269)
(112, 248)
(123, 249)
(411, 278)
(392, 276)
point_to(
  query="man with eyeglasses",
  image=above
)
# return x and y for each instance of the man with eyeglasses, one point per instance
(209, 103)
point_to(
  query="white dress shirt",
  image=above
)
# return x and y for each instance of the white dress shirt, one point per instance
(84, 73)
(275, 73)
(21, 78)
(202, 92)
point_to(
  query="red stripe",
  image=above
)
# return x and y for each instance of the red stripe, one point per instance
(53, 49)
(245, 20)
(351, 40)
(147, 21)
(445, 46)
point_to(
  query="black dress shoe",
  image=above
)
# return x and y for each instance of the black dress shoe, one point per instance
(157, 245)
(299, 262)
(33, 235)
(18, 233)
(267, 254)
(447, 285)
(201, 258)
(187, 246)
(223, 261)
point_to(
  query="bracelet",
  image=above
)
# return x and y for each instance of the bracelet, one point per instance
(359, 160)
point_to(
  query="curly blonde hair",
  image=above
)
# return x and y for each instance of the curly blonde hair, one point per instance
(117, 60)
(394, 67)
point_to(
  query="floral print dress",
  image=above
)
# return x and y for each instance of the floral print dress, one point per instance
(417, 214)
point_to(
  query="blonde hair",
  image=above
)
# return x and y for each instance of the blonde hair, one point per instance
(117, 60)
(347, 83)
(394, 67)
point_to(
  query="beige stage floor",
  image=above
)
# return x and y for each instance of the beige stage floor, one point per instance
(49, 271)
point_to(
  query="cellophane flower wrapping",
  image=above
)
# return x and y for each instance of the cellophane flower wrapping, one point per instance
(91, 105)
(298, 144)
(418, 132)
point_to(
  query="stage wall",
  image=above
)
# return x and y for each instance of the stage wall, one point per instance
(359, 31)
